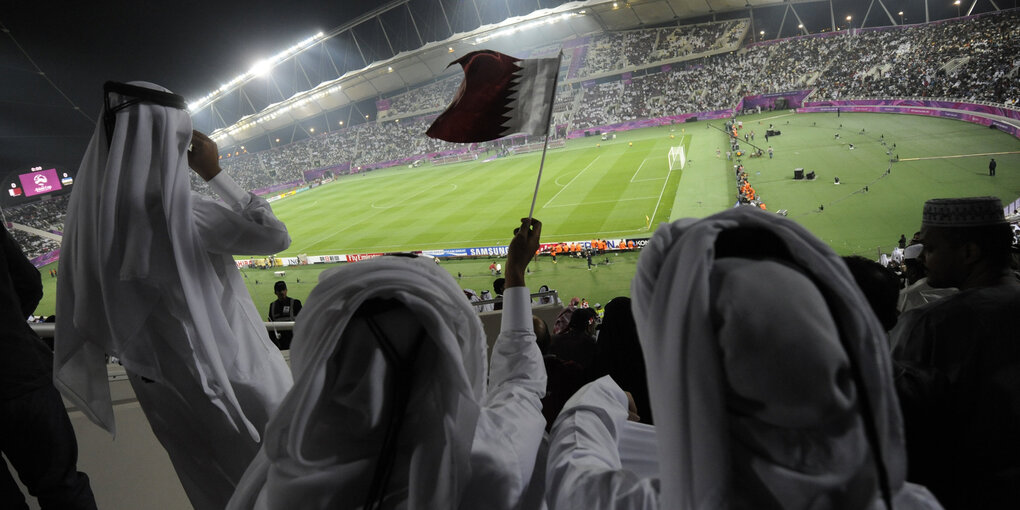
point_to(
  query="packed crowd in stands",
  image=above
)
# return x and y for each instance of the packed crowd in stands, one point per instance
(969, 59)
(750, 367)
(974, 59)
(429, 98)
(46, 215)
(34, 245)
(879, 62)
(616, 51)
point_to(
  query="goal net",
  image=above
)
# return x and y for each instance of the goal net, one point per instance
(677, 158)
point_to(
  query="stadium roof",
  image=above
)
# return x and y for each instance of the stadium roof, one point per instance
(54, 60)
(539, 28)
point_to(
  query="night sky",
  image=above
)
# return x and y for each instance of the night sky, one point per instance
(191, 47)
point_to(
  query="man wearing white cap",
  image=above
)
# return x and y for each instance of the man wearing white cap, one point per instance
(147, 275)
(917, 292)
(958, 359)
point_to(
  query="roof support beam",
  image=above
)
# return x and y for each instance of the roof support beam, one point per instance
(356, 45)
(414, 23)
(478, 13)
(393, 52)
(887, 13)
(800, 22)
(447, 18)
(832, 15)
(864, 21)
(782, 22)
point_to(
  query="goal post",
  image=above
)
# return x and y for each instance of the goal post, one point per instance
(676, 158)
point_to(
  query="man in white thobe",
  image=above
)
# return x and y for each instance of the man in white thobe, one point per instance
(147, 275)
(768, 376)
(394, 406)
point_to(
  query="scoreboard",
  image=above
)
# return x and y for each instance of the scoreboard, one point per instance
(21, 186)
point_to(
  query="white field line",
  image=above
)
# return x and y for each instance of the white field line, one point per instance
(643, 161)
(776, 116)
(571, 181)
(601, 202)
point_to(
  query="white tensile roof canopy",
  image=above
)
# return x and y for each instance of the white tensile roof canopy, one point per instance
(409, 68)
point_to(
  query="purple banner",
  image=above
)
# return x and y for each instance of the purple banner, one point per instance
(795, 99)
(948, 105)
(666, 68)
(311, 175)
(47, 258)
(382, 105)
(946, 109)
(411, 159)
(626, 78)
(660, 121)
(276, 188)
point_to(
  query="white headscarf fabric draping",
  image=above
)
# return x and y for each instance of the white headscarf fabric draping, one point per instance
(690, 389)
(129, 241)
(441, 417)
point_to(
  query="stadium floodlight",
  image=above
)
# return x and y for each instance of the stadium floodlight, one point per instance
(276, 110)
(260, 68)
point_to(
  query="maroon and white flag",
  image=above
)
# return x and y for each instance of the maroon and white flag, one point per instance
(500, 95)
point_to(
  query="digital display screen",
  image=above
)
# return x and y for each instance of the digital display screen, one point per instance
(41, 182)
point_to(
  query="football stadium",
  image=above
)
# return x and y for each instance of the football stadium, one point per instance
(659, 110)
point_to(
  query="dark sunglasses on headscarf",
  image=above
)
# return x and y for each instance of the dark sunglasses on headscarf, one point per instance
(137, 95)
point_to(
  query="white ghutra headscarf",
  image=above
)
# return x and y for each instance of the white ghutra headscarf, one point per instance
(131, 249)
(745, 392)
(322, 447)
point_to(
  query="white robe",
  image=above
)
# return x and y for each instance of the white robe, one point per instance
(147, 276)
(725, 412)
(466, 443)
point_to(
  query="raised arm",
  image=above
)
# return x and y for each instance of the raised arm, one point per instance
(584, 470)
(511, 424)
(248, 227)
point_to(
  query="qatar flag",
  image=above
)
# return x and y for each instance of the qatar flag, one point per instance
(500, 95)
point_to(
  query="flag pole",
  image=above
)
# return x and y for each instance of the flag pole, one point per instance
(545, 145)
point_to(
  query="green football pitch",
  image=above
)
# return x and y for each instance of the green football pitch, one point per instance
(606, 189)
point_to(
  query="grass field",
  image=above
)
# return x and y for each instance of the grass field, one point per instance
(587, 191)
(593, 188)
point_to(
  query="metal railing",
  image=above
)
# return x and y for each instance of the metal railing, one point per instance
(46, 329)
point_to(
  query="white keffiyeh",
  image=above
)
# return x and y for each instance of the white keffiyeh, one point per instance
(715, 391)
(298, 468)
(133, 248)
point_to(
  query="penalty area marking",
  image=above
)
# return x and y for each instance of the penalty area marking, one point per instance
(643, 161)
(567, 185)
(601, 202)
(955, 156)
